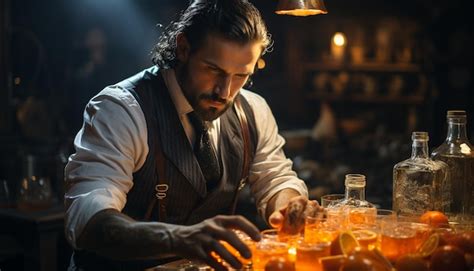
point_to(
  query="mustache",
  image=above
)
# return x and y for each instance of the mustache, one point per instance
(212, 97)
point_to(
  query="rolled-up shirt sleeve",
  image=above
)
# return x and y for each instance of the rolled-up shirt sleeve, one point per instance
(110, 147)
(271, 171)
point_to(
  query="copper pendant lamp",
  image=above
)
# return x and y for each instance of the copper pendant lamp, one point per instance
(301, 7)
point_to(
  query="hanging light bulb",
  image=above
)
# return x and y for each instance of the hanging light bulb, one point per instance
(301, 7)
(338, 46)
(339, 39)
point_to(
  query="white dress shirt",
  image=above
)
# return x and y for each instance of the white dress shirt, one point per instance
(112, 145)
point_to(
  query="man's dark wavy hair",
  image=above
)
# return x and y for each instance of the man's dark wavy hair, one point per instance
(236, 20)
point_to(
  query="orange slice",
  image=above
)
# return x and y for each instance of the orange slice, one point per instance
(344, 244)
(429, 246)
(332, 263)
(366, 238)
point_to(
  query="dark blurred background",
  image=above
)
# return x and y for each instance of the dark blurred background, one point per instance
(349, 109)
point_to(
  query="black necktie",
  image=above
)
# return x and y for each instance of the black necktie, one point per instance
(205, 153)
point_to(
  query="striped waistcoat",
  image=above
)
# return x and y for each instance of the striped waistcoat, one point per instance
(188, 201)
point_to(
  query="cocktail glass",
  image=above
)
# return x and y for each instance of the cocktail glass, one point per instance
(400, 238)
(328, 199)
(361, 216)
(320, 230)
(268, 247)
(308, 254)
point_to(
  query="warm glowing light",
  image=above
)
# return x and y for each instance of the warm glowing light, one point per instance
(292, 253)
(339, 39)
(301, 12)
(465, 148)
(261, 64)
(17, 81)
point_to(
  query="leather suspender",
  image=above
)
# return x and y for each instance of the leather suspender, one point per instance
(162, 187)
(244, 126)
(245, 136)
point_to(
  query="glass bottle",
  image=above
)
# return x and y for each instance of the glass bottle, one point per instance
(353, 209)
(35, 190)
(418, 181)
(458, 153)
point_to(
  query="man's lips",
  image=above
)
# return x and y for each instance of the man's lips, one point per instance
(215, 103)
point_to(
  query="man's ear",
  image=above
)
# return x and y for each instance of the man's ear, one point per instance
(182, 47)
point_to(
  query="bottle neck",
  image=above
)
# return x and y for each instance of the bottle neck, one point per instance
(29, 166)
(456, 131)
(355, 192)
(419, 149)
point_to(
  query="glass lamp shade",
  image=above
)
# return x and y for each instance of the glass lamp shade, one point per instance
(301, 7)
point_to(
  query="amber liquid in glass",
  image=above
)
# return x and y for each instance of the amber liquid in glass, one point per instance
(367, 238)
(265, 250)
(307, 256)
(403, 238)
(394, 246)
(319, 233)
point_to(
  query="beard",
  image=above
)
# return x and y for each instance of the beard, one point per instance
(198, 99)
(209, 113)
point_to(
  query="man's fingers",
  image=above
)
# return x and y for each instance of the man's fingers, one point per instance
(232, 239)
(242, 224)
(212, 262)
(213, 253)
(276, 219)
(225, 255)
(313, 209)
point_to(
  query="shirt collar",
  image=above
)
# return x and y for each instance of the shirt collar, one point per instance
(181, 103)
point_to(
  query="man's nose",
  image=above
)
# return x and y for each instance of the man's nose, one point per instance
(223, 87)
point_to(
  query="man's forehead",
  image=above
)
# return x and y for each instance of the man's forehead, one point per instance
(223, 51)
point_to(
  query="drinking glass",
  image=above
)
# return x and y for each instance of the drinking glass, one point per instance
(35, 193)
(290, 240)
(369, 233)
(268, 247)
(320, 230)
(400, 238)
(328, 199)
(361, 216)
(308, 254)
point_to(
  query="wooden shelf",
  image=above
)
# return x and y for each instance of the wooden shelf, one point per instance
(367, 67)
(409, 100)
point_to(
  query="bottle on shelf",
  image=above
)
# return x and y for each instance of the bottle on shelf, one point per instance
(35, 189)
(458, 153)
(353, 209)
(418, 182)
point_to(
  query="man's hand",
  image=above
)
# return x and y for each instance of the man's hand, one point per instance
(199, 240)
(117, 236)
(290, 219)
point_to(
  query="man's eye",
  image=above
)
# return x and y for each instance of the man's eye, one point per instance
(213, 69)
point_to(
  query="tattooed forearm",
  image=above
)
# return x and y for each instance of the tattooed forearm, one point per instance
(115, 235)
